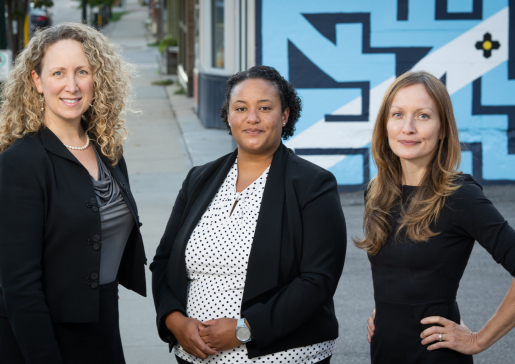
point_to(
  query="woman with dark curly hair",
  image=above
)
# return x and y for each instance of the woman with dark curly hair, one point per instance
(69, 229)
(253, 251)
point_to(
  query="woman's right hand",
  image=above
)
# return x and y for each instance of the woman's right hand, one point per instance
(186, 331)
(371, 327)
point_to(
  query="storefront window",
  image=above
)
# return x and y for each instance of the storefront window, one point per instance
(218, 55)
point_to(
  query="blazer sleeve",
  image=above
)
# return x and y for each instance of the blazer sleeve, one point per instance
(324, 247)
(480, 220)
(165, 300)
(123, 168)
(22, 218)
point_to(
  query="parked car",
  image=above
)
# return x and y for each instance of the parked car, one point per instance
(40, 18)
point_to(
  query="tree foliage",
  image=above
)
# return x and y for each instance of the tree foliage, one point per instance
(41, 3)
(100, 2)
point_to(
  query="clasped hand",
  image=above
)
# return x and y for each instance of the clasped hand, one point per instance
(203, 338)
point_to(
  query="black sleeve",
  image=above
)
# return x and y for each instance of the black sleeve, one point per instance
(22, 218)
(480, 220)
(164, 299)
(123, 168)
(323, 255)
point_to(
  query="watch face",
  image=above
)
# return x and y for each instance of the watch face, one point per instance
(243, 333)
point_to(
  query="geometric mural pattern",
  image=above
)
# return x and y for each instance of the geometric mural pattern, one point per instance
(342, 56)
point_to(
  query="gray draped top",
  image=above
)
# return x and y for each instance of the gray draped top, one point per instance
(116, 222)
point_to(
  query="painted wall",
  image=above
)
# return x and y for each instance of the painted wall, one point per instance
(342, 55)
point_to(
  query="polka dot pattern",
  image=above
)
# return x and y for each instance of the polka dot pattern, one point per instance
(217, 257)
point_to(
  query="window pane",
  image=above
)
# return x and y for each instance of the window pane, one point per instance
(218, 55)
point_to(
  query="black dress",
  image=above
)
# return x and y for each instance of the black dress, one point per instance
(416, 280)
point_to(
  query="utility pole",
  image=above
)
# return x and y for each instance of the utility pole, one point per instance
(159, 13)
(84, 11)
(3, 29)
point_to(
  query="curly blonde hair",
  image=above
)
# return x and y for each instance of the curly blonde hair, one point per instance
(21, 109)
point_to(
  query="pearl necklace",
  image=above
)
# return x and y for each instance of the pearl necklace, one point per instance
(78, 148)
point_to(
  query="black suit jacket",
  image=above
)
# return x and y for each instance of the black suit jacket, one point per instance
(48, 262)
(295, 262)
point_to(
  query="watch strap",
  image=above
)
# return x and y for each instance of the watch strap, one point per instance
(241, 323)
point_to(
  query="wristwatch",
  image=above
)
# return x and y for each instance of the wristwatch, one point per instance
(242, 331)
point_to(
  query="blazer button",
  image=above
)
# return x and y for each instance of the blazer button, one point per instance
(140, 224)
(95, 242)
(92, 204)
(93, 281)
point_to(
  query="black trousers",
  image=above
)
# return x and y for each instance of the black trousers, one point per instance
(182, 361)
(79, 343)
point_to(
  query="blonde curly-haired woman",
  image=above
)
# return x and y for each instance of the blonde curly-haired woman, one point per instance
(69, 229)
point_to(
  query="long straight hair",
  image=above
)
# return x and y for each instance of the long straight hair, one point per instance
(439, 181)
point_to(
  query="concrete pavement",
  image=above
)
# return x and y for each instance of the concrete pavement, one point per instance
(159, 153)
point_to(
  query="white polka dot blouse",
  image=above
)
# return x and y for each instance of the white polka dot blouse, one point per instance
(217, 257)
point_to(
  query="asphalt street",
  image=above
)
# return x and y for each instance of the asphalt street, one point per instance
(166, 139)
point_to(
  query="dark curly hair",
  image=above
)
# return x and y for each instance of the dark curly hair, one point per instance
(287, 93)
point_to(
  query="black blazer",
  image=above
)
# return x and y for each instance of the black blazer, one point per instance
(49, 263)
(295, 262)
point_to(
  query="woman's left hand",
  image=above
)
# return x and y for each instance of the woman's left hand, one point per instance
(220, 334)
(456, 337)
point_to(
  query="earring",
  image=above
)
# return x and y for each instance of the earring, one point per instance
(42, 103)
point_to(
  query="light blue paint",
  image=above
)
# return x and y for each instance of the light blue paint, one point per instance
(283, 21)
(497, 88)
(497, 163)
(460, 6)
(466, 162)
(372, 166)
(317, 102)
(349, 171)
(421, 28)
(462, 105)
(346, 62)
(467, 136)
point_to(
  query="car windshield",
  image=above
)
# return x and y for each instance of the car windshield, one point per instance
(37, 12)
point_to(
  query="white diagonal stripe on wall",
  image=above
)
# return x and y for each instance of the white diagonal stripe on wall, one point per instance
(459, 60)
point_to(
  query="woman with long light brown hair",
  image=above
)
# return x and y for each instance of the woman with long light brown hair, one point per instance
(421, 219)
(69, 229)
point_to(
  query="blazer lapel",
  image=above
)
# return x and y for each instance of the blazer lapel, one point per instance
(201, 196)
(52, 143)
(263, 267)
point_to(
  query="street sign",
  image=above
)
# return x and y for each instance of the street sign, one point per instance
(6, 57)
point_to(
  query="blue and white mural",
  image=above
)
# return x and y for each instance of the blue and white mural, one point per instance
(342, 55)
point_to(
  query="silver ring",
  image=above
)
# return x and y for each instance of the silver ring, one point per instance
(440, 337)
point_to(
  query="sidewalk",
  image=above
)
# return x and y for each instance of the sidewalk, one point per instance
(159, 153)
